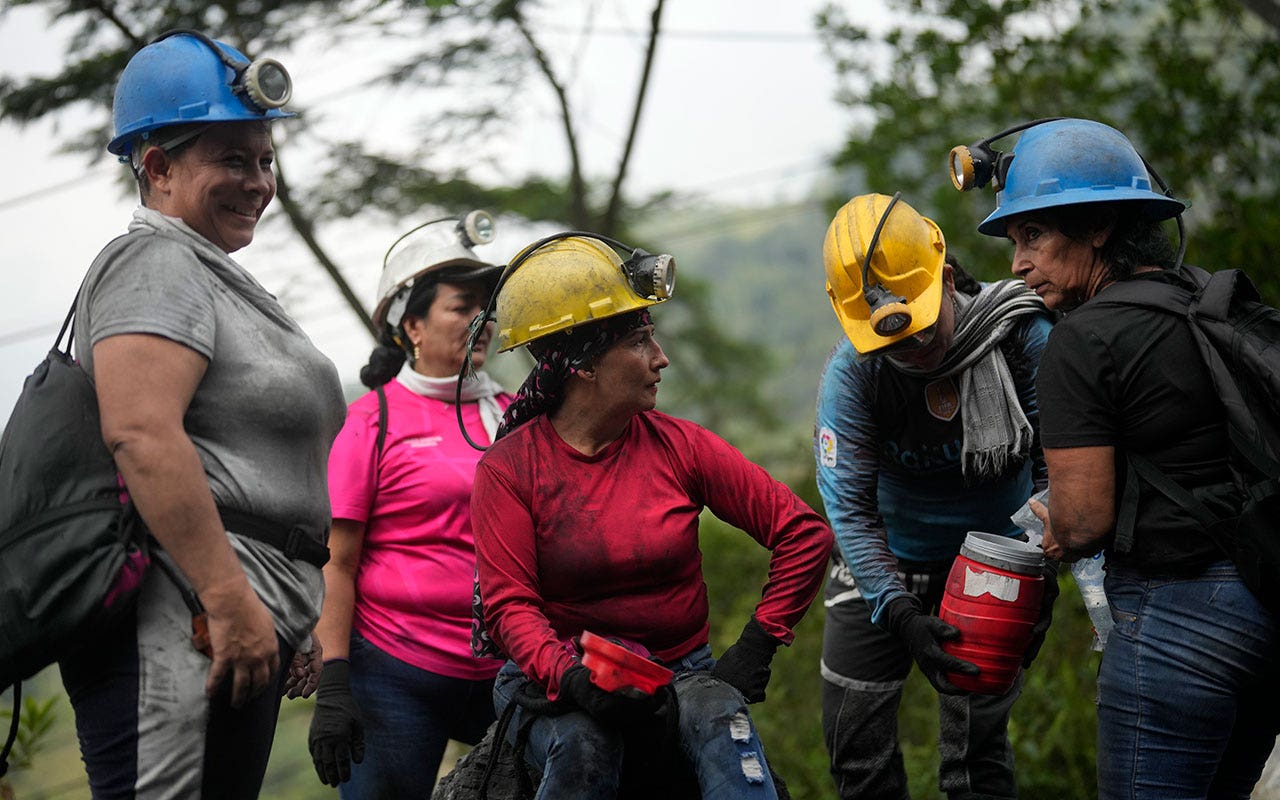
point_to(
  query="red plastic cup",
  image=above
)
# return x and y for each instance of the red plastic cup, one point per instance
(615, 668)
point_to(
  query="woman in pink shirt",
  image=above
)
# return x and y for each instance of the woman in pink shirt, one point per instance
(399, 679)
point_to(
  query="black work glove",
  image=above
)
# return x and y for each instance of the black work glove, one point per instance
(337, 734)
(611, 708)
(923, 633)
(745, 665)
(1046, 613)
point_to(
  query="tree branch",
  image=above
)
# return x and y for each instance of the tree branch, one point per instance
(306, 230)
(610, 221)
(578, 215)
(1267, 10)
(110, 15)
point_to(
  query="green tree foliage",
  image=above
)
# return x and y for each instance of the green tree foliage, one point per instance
(1194, 83)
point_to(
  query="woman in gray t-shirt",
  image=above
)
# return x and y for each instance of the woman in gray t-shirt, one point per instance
(219, 412)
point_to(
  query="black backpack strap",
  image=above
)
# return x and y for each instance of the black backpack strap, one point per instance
(382, 421)
(13, 729)
(1127, 513)
(1148, 294)
(1259, 490)
(1152, 474)
(1220, 289)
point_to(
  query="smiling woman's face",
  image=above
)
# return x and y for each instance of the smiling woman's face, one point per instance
(220, 184)
(1063, 271)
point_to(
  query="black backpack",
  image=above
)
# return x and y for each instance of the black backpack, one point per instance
(1239, 340)
(72, 548)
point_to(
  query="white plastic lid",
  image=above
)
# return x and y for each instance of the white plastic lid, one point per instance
(1003, 552)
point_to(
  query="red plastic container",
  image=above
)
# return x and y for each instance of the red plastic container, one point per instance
(993, 596)
(615, 668)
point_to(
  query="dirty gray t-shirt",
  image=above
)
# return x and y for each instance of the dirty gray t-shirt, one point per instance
(269, 404)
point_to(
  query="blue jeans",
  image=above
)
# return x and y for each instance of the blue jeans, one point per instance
(1187, 700)
(580, 760)
(409, 716)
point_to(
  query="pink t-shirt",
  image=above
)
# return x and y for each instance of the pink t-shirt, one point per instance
(413, 584)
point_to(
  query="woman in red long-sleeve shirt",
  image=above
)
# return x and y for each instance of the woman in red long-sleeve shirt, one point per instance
(586, 519)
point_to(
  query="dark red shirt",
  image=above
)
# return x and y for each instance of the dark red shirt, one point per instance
(609, 543)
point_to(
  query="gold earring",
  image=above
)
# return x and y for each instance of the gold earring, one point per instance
(417, 354)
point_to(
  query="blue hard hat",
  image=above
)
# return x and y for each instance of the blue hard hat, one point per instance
(180, 79)
(1073, 161)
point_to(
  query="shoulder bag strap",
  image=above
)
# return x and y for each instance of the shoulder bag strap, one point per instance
(13, 729)
(382, 422)
(1126, 516)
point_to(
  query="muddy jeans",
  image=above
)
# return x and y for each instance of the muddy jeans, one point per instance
(579, 759)
(863, 670)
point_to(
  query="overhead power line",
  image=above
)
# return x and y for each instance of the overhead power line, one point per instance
(33, 332)
(36, 194)
(703, 35)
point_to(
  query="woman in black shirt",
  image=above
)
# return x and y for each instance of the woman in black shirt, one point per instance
(1186, 707)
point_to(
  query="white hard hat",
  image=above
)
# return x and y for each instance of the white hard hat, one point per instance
(436, 246)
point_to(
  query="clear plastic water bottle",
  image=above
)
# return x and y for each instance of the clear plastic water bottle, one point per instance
(1026, 519)
(1087, 572)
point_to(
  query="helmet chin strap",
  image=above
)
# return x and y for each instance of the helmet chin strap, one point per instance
(181, 135)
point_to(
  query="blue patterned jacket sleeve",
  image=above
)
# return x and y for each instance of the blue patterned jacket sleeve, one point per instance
(847, 451)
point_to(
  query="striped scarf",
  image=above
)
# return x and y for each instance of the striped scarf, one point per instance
(997, 434)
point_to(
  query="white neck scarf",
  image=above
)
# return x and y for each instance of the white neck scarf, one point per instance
(476, 387)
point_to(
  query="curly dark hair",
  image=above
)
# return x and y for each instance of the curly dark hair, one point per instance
(965, 283)
(1135, 241)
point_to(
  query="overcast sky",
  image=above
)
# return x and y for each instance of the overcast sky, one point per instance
(740, 109)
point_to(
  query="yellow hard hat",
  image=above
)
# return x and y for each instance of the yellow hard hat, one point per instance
(904, 277)
(569, 280)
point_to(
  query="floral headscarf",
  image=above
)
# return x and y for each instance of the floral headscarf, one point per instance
(561, 355)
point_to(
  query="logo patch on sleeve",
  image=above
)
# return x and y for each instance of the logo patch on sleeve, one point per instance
(827, 447)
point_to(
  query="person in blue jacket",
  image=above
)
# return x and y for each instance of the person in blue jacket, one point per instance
(927, 428)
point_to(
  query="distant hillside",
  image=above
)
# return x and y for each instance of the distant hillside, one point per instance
(765, 267)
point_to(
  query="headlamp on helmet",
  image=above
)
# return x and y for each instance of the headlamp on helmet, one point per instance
(183, 78)
(884, 264)
(263, 84)
(573, 278)
(652, 276)
(974, 166)
(477, 227)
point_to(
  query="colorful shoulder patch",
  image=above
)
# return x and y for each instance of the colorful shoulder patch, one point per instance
(827, 447)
